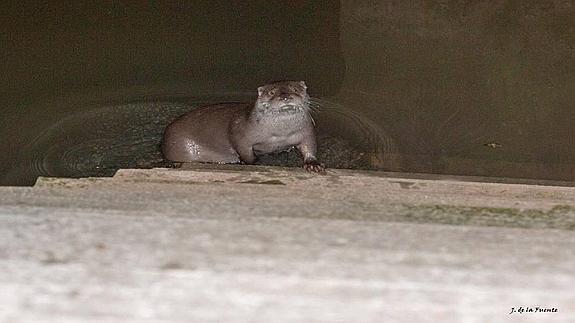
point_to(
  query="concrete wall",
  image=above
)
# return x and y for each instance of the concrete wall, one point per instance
(447, 78)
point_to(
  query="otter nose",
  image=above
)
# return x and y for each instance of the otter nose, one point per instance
(285, 96)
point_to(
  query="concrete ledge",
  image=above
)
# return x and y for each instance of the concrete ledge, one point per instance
(266, 244)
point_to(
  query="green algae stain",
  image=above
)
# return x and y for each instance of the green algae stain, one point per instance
(269, 182)
(558, 217)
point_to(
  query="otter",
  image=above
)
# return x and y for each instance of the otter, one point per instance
(238, 132)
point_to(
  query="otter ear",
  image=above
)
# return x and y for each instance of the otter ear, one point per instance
(302, 84)
(261, 90)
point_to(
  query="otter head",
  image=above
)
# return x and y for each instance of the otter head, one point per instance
(284, 97)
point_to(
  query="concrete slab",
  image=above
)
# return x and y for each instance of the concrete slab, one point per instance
(272, 191)
(277, 245)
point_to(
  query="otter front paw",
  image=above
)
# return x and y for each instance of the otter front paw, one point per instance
(314, 166)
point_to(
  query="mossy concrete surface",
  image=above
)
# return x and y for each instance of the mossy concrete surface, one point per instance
(209, 243)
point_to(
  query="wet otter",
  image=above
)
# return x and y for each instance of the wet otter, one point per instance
(237, 132)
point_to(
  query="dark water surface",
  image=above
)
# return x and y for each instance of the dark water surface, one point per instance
(98, 141)
(451, 87)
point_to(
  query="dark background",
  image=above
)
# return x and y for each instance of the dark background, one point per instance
(461, 87)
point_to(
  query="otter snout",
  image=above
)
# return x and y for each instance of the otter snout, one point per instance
(282, 97)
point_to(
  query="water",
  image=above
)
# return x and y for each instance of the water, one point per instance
(97, 142)
(101, 140)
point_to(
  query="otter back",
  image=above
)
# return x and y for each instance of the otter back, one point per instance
(203, 135)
